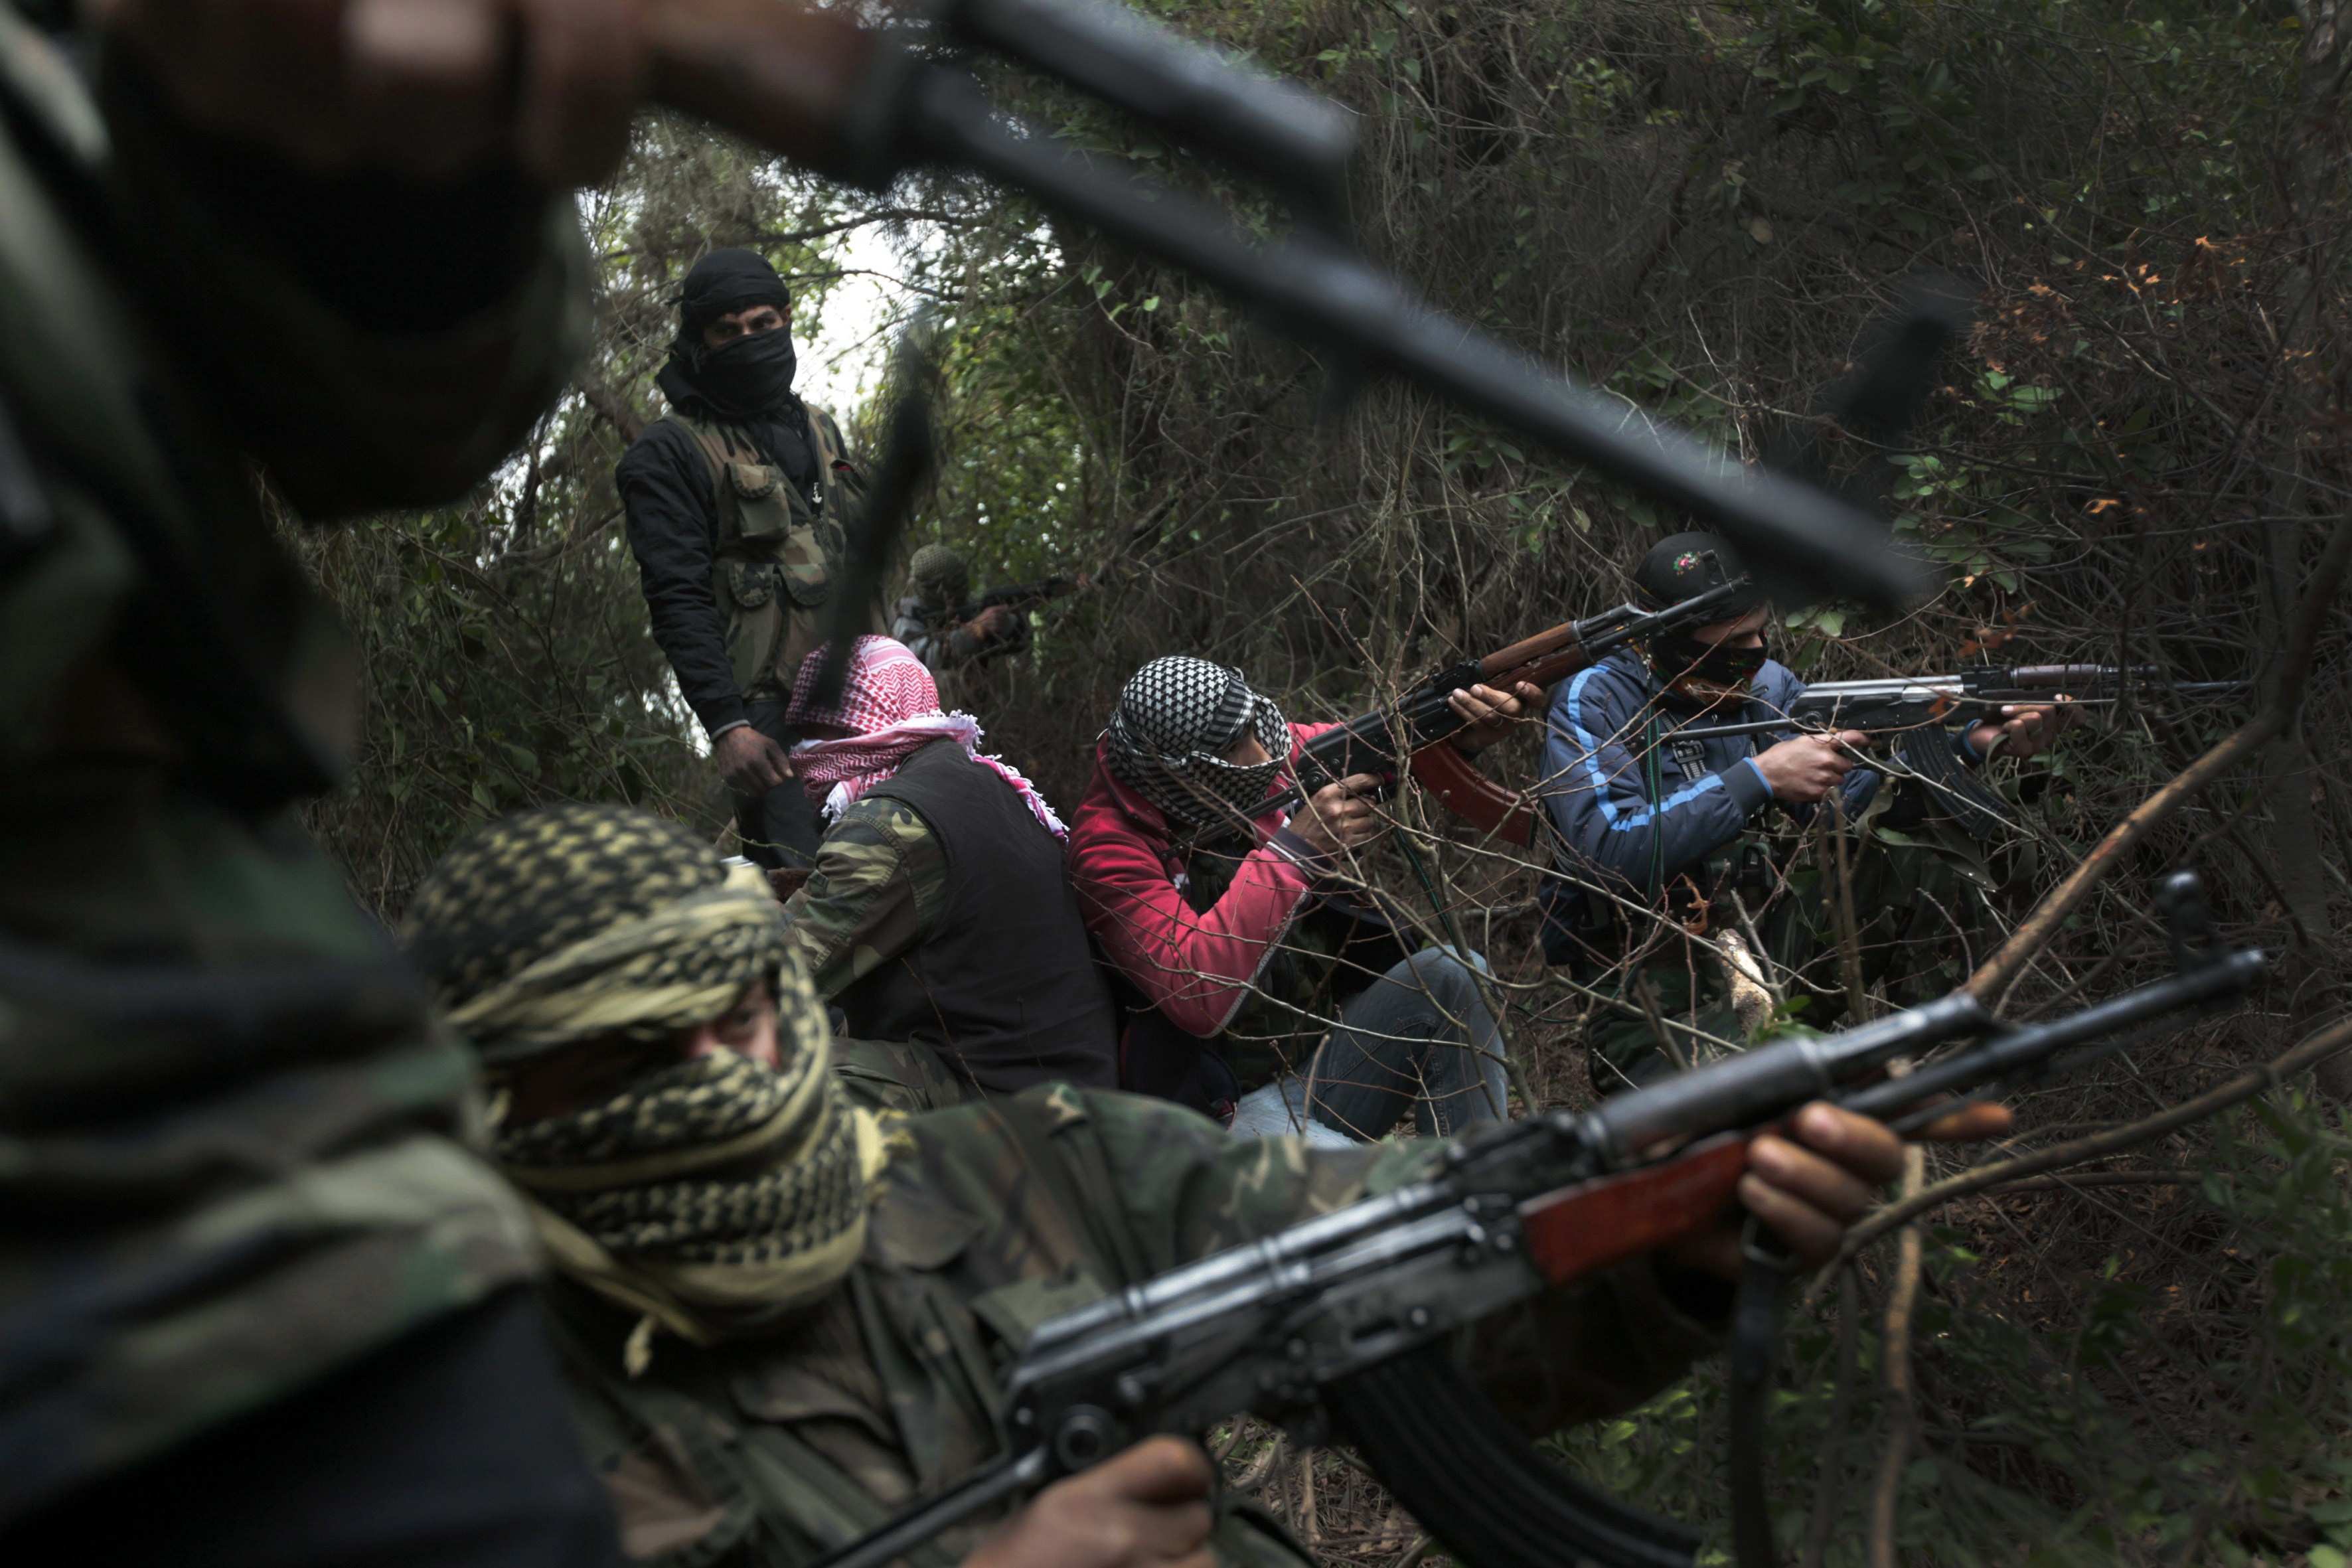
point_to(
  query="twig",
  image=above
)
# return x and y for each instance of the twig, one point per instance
(1826, 1490)
(1249, 1481)
(1905, 1424)
(2294, 666)
(2314, 1049)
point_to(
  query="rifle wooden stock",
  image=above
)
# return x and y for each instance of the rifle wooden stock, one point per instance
(1596, 1223)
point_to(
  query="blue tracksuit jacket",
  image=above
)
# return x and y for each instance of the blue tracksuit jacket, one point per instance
(1613, 830)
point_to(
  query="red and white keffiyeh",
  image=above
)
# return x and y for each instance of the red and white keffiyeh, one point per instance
(891, 706)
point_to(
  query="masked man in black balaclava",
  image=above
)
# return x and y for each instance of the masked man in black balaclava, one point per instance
(1649, 821)
(737, 504)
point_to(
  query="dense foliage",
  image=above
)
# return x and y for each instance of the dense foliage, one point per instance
(2138, 458)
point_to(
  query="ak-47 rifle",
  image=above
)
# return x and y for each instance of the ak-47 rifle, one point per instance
(1340, 1325)
(1923, 702)
(1911, 714)
(1418, 727)
(865, 105)
(1019, 597)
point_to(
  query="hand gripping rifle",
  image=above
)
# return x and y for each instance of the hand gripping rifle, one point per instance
(1914, 713)
(865, 105)
(1418, 728)
(1339, 1326)
(1018, 597)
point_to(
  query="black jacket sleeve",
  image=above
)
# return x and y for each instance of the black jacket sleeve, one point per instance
(664, 485)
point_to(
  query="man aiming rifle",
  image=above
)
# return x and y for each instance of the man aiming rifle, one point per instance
(948, 631)
(783, 1319)
(1667, 900)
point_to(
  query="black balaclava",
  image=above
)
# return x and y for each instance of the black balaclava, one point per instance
(1675, 568)
(749, 378)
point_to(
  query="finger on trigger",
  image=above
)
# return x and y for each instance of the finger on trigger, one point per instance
(1162, 1470)
(422, 74)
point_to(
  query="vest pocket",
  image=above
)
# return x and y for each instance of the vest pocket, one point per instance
(808, 564)
(762, 506)
(755, 622)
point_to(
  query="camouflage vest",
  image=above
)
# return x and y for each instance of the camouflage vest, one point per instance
(778, 1448)
(779, 552)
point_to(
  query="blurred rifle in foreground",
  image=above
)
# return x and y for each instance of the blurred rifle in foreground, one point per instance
(1340, 1326)
(866, 105)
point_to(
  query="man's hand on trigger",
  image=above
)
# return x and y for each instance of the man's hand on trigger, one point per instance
(2026, 732)
(1339, 815)
(1805, 768)
(751, 763)
(428, 88)
(1146, 1508)
(1490, 713)
(992, 625)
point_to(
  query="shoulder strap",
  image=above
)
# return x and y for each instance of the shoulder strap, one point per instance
(718, 451)
(824, 438)
(851, 1512)
(1111, 1251)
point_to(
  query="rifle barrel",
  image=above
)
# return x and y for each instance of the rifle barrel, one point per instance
(1758, 1084)
(2011, 1050)
(1332, 299)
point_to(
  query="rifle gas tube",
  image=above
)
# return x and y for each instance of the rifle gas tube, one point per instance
(1340, 1325)
(866, 105)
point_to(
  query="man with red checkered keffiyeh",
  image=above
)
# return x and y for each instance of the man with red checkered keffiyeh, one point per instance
(939, 917)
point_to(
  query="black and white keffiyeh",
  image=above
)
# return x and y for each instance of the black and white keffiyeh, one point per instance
(1174, 721)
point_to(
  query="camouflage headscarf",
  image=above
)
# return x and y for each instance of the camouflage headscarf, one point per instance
(711, 1194)
(939, 574)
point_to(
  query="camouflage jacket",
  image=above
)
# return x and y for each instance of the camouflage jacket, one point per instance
(880, 881)
(231, 1144)
(772, 1451)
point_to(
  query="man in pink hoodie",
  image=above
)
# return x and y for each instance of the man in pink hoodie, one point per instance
(1263, 997)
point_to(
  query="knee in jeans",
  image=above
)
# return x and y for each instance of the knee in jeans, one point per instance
(1448, 979)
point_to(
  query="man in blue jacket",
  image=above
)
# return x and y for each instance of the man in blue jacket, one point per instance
(1665, 887)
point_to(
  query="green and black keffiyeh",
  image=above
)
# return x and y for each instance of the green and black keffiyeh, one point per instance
(714, 1194)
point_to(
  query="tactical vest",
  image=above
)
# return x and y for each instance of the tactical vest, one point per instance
(779, 549)
(1004, 986)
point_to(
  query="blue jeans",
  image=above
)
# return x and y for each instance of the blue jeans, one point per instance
(1419, 1037)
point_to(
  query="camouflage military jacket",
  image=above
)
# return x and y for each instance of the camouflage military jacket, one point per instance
(232, 1147)
(772, 1451)
(880, 880)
